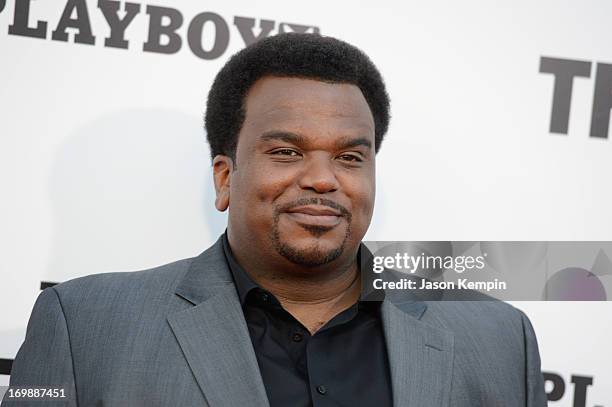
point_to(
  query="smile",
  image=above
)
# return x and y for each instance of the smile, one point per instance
(315, 215)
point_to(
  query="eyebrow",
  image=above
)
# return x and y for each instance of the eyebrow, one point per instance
(294, 138)
(287, 136)
(355, 142)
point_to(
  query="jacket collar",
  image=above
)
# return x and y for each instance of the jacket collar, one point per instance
(207, 273)
(213, 334)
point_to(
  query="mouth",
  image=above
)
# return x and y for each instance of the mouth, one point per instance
(315, 215)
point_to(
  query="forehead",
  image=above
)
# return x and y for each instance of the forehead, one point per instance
(305, 104)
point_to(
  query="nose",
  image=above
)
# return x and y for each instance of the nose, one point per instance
(318, 175)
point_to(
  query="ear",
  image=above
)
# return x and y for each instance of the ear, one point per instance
(222, 174)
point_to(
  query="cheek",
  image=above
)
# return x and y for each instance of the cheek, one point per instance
(259, 185)
(269, 190)
(362, 194)
(367, 206)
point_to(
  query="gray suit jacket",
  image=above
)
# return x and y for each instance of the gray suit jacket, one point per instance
(176, 336)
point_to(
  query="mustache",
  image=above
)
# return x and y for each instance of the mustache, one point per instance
(314, 201)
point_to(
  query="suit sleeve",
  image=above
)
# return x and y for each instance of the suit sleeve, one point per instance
(45, 358)
(534, 380)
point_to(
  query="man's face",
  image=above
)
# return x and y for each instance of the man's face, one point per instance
(303, 183)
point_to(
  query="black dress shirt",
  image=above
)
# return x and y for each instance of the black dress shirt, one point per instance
(343, 364)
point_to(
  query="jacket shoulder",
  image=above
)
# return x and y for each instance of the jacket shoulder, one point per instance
(487, 315)
(116, 286)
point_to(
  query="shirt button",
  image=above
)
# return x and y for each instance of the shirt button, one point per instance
(322, 390)
(297, 337)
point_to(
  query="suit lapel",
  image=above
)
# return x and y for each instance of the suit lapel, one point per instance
(420, 356)
(214, 337)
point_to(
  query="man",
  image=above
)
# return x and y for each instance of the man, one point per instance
(272, 314)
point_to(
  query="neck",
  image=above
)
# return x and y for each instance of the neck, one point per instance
(313, 295)
(307, 289)
(300, 284)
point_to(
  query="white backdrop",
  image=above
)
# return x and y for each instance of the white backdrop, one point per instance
(104, 165)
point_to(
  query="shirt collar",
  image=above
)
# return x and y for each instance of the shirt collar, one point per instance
(244, 283)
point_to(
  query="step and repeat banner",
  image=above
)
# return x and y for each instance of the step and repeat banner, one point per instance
(500, 132)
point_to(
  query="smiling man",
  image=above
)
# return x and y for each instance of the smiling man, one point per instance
(274, 312)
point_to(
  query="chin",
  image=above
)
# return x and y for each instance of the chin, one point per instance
(309, 256)
(311, 246)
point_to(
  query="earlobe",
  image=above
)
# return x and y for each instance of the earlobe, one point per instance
(222, 202)
(222, 173)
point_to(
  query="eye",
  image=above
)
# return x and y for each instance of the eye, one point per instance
(286, 151)
(285, 154)
(350, 158)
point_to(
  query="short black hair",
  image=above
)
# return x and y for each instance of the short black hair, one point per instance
(310, 56)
